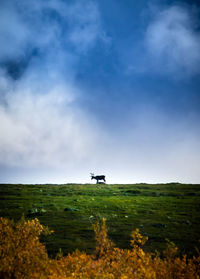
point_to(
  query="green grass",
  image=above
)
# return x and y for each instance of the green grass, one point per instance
(160, 211)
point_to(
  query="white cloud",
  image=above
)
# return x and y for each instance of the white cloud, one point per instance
(13, 33)
(50, 24)
(85, 25)
(41, 123)
(174, 42)
(43, 129)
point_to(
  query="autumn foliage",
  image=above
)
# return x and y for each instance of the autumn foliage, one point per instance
(22, 255)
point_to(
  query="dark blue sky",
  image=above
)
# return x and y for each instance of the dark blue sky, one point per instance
(108, 87)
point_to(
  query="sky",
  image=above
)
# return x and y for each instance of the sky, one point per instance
(99, 86)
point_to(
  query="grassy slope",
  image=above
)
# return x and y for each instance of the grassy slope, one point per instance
(160, 211)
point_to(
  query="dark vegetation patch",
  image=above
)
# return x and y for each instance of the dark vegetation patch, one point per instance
(160, 211)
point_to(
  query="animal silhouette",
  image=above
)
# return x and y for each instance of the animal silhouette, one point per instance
(98, 177)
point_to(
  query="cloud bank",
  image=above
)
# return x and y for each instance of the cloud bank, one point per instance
(173, 40)
(48, 135)
(41, 124)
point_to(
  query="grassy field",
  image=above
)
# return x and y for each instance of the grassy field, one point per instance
(160, 211)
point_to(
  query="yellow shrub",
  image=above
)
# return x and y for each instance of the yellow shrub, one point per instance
(21, 252)
(22, 255)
